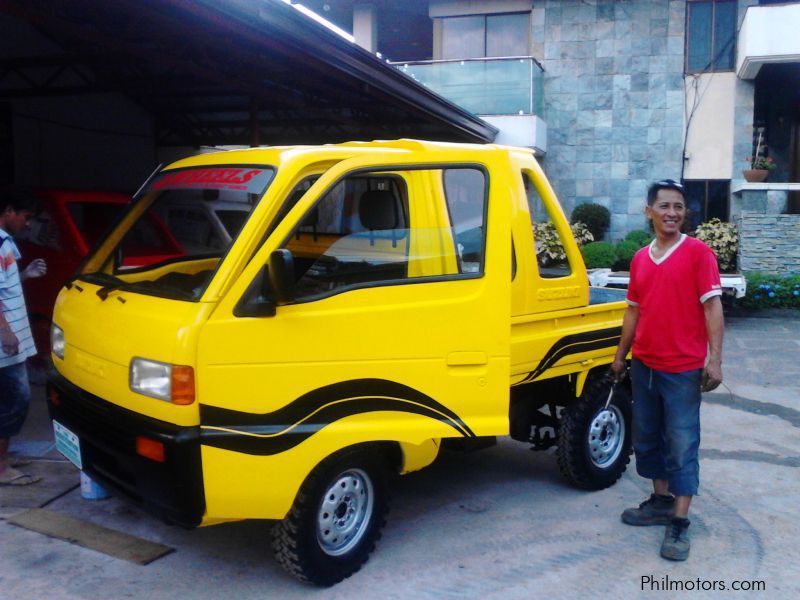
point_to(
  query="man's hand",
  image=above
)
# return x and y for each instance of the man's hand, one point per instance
(712, 376)
(37, 268)
(618, 368)
(9, 341)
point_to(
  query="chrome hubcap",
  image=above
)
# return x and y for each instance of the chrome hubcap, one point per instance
(606, 435)
(345, 512)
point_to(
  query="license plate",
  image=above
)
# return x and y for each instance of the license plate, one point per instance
(68, 444)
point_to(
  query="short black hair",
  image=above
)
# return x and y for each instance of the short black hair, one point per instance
(664, 184)
(18, 198)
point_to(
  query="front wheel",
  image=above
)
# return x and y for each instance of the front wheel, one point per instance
(594, 440)
(336, 519)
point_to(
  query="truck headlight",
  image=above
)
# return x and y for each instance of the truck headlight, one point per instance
(171, 383)
(57, 342)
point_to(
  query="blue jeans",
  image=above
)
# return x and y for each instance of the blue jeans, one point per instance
(15, 396)
(666, 426)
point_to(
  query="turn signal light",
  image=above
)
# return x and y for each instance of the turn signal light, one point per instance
(182, 384)
(152, 449)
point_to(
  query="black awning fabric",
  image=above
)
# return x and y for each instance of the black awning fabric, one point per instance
(215, 72)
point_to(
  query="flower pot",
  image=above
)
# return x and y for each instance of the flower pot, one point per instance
(755, 175)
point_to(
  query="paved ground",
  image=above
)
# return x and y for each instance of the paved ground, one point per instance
(495, 524)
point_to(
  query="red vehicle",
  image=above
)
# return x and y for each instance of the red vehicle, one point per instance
(69, 224)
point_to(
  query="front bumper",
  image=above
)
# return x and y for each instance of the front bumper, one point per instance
(172, 490)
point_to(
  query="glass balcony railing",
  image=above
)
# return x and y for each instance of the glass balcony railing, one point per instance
(484, 86)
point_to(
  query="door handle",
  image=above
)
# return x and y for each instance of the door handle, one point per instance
(465, 359)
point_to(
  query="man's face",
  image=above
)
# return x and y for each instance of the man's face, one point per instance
(667, 212)
(16, 221)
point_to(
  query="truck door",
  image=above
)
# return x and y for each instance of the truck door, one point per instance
(398, 327)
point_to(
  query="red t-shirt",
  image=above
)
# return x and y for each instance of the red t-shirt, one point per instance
(671, 332)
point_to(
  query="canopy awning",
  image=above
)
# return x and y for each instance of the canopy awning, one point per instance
(215, 72)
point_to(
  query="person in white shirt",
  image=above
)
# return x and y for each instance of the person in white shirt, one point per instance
(16, 341)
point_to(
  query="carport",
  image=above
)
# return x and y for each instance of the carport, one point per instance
(87, 85)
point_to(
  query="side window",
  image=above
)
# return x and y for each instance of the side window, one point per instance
(706, 199)
(465, 192)
(43, 231)
(360, 232)
(551, 259)
(710, 35)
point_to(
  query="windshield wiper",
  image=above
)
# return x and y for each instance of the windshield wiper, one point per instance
(110, 283)
(104, 291)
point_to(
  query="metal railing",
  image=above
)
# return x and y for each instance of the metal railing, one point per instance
(509, 85)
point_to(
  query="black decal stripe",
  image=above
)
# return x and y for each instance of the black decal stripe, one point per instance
(265, 441)
(575, 344)
(312, 401)
(337, 410)
(288, 426)
(575, 349)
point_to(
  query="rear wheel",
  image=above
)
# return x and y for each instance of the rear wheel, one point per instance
(594, 440)
(336, 519)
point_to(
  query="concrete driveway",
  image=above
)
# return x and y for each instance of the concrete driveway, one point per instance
(500, 523)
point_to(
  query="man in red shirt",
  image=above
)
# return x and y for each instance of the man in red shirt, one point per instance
(675, 325)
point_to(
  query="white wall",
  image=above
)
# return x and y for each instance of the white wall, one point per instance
(365, 27)
(769, 34)
(709, 142)
(529, 131)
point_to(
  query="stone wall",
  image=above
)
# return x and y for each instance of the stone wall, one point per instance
(614, 100)
(744, 103)
(769, 243)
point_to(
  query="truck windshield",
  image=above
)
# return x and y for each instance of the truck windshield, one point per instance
(175, 234)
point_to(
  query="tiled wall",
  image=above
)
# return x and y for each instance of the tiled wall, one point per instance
(614, 105)
(769, 243)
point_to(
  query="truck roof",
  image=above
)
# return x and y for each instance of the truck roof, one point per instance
(275, 155)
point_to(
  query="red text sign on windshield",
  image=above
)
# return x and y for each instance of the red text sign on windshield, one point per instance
(235, 178)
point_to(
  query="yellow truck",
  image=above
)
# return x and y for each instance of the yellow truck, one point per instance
(381, 301)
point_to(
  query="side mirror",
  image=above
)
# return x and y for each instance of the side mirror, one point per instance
(256, 301)
(274, 285)
(281, 275)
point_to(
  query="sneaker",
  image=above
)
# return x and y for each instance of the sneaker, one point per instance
(656, 510)
(676, 540)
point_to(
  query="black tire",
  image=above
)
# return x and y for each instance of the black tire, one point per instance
(594, 442)
(322, 544)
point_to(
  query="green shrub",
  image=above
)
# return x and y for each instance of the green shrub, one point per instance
(723, 239)
(624, 252)
(596, 217)
(771, 291)
(549, 250)
(640, 237)
(599, 255)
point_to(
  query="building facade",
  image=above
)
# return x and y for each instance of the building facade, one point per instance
(615, 94)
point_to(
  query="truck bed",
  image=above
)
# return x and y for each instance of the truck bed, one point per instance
(564, 342)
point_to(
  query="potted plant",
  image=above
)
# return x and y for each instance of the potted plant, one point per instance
(760, 166)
